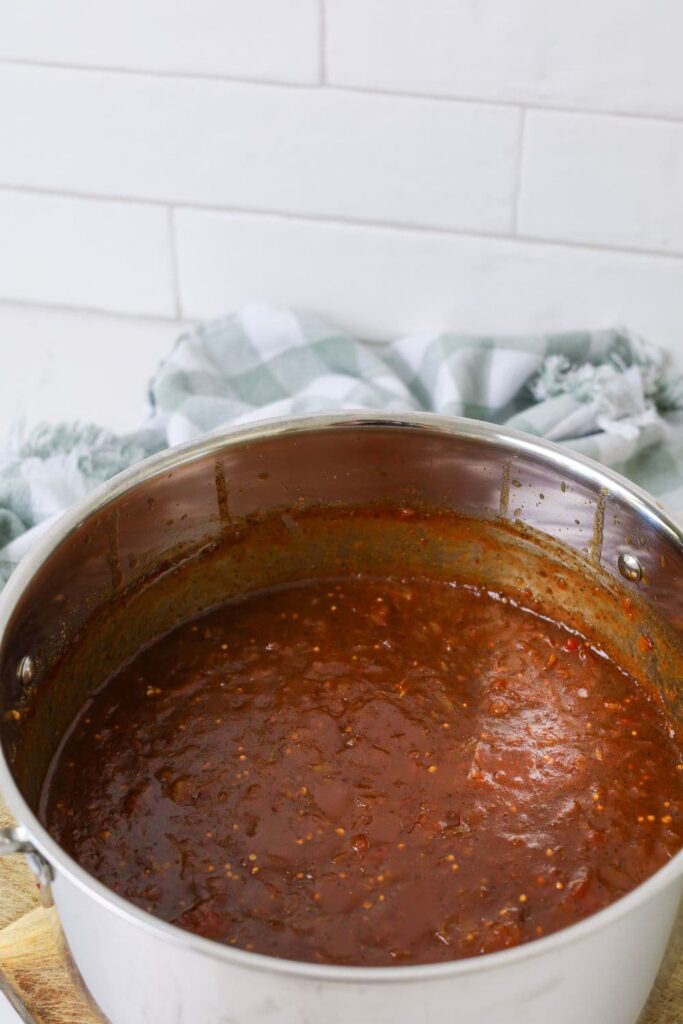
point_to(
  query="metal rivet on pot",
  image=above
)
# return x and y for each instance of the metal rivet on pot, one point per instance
(26, 670)
(629, 567)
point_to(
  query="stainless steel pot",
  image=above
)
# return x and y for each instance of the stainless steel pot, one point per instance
(616, 562)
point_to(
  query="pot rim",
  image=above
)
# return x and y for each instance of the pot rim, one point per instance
(170, 459)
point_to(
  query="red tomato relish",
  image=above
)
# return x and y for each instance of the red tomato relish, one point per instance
(369, 771)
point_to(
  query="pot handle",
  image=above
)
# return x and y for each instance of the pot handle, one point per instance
(38, 947)
(16, 840)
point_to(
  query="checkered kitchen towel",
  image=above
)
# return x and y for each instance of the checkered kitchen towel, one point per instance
(604, 393)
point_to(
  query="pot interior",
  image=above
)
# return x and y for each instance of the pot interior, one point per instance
(195, 528)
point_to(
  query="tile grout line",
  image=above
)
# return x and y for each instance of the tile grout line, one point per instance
(175, 269)
(57, 307)
(338, 87)
(154, 73)
(338, 220)
(323, 43)
(518, 172)
(500, 104)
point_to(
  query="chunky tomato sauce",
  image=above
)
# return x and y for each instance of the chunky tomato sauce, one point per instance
(369, 771)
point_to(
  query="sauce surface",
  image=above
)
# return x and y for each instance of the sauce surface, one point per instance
(369, 771)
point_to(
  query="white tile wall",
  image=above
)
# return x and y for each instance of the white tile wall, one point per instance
(77, 252)
(393, 165)
(311, 151)
(611, 180)
(256, 39)
(61, 364)
(586, 54)
(384, 281)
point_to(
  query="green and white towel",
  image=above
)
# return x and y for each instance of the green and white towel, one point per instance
(604, 393)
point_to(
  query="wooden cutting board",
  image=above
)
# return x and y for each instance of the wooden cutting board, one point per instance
(37, 975)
